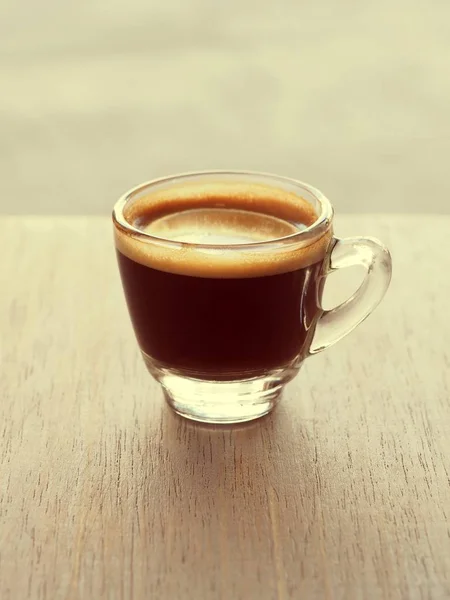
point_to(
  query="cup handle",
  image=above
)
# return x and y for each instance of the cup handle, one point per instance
(334, 324)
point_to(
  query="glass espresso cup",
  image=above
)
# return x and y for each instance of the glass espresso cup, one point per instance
(223, 275)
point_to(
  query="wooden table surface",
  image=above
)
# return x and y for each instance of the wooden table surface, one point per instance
(344, 492)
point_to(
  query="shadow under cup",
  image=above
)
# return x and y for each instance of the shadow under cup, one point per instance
(223, 275)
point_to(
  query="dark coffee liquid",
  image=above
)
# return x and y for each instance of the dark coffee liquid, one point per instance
(197, 317)
(218, 328)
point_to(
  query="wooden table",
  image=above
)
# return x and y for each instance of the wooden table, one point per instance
(344, 492)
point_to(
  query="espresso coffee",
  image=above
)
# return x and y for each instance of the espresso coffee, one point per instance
(214, 314)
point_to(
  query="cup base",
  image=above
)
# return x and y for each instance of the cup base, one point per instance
(214, 401)
(219, 401)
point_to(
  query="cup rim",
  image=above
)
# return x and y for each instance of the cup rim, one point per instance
(312, 232)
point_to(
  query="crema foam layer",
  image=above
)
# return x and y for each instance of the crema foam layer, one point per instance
(231, 216)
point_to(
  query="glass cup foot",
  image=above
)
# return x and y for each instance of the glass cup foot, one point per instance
(221, 401)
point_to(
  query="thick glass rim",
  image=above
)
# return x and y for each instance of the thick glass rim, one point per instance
(314, 231)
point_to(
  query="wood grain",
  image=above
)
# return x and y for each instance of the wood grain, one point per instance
(342, 493)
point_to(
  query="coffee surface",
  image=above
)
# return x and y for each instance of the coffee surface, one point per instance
(226, 215)
(220, 226)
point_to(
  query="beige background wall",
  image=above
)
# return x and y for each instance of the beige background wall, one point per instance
(99, 95)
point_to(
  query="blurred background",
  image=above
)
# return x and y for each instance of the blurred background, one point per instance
(99, 95)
